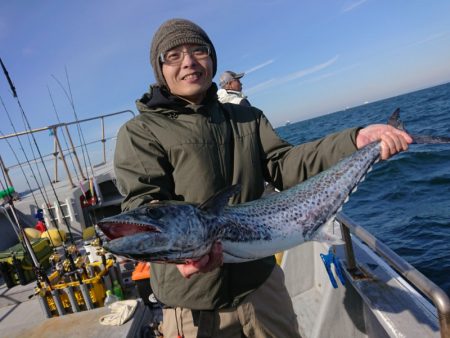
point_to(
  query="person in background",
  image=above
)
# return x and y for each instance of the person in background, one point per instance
(186, 146)
(231, 89)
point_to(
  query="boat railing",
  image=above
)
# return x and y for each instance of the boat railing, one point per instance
(58, 152)
(411, 274)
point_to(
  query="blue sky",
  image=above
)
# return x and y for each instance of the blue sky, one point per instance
(302, 58)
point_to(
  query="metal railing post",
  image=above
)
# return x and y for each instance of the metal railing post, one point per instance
(102, 120)
(63, 159)
(74, 153)
(55, 160)
(349, 252)
(5, 172)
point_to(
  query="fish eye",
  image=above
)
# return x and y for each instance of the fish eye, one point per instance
(155, 213)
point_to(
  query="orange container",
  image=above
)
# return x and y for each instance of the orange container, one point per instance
(141, 271)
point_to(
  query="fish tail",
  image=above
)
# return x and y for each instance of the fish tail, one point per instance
(395, 121)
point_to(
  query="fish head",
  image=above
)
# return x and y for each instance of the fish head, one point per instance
(161, 232)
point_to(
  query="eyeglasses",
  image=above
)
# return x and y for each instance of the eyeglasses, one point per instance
(175, 57)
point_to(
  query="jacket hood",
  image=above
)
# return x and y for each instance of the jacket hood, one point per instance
(159, 97)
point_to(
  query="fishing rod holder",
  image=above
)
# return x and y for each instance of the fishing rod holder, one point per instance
(67, 293)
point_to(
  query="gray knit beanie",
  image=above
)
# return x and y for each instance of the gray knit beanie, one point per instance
(173, 33)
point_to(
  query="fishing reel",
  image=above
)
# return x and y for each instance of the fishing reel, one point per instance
(96, 242)
(79, 262)
(73, 250)
(54, 259)
(101, 251)
(67, 267)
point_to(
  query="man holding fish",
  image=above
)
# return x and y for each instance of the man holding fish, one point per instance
(185, 145)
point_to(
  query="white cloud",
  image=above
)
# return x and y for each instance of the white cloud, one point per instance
(310, 70)
(262, 65)
(292, 76)
(429, 38)
(333, 73)
(261, 86)
(353, 5)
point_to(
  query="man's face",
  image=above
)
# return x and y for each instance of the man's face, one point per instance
(191, 77)
(235, 84)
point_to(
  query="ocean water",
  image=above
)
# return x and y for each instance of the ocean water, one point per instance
(404, 201)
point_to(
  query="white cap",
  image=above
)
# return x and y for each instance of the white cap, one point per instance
(229, 76)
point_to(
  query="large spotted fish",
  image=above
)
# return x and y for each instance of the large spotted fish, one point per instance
(174, 232)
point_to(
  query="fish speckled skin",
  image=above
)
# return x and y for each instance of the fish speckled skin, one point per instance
(175, 232)
(284, 220)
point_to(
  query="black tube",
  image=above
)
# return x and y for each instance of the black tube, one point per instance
(6, 273)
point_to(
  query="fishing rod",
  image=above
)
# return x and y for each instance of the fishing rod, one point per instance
(42, 192)
(64, 136)
(29, 187)
(13, 89)
(21, 234)
(79, 130)
(68, 254)
(26, 179)
(21, 167)
(95, 191)
(83, 287)
(42, 279)
(23, 152)
(39, 185)
(83, 192)
(41, 275)
(93, 187)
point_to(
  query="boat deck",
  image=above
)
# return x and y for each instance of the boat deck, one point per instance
(23, 317)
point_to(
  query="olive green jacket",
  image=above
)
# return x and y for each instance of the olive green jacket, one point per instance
(177, 151)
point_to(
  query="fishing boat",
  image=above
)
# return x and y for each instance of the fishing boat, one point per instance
(356, 287)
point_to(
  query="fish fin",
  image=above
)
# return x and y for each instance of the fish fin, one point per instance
(219, 200)
(395, 121)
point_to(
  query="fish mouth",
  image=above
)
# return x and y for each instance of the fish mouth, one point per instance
(151, 247)
(113, 230)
